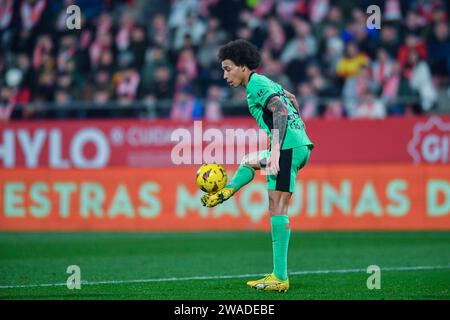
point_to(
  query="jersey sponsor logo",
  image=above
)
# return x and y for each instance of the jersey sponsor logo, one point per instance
(261, 93)
(296, 125)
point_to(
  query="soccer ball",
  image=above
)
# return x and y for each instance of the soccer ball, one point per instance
(211, 177)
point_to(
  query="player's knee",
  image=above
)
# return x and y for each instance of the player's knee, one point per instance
(245, 159)
(271, 206)
(278, 210)
(278, 205)
(275, 207)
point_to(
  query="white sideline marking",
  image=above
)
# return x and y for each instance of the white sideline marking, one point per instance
(93, 283)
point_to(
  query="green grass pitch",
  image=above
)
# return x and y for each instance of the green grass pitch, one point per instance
(216, 265)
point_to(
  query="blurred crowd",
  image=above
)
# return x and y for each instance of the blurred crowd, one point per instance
(151, 52)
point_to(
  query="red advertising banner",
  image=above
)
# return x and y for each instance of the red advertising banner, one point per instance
(339, 197)
(150, 143)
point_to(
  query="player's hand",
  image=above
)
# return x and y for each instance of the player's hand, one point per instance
(273, 164)
(292, 99)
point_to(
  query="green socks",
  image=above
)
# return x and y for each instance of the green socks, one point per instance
(243, 175)
(281, 232)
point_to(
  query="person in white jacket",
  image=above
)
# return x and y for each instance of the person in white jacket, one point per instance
(421, 81)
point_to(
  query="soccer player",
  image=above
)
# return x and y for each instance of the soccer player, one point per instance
(276, 111)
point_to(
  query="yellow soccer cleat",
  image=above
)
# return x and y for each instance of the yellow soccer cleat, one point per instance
(213, 199)
(270, 283)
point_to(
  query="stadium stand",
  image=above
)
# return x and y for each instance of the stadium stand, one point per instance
(157, 59)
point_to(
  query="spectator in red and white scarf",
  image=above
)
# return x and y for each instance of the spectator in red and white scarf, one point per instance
(42, 51)
(66, 52)
(101, 46)
(382, 67)
(123, 36)
(31, 12)
(6, 13)
(126, 84)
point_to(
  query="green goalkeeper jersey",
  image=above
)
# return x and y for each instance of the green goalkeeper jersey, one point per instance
(260, 90)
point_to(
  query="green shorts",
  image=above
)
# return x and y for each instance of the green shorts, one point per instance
(291, 161)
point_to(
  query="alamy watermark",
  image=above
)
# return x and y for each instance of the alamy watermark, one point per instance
(374, 280)
(74, 280)
(229, 146)
(73, 20)
(374, 20)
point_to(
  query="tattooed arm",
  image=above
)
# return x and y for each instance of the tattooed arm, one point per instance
(279, 112)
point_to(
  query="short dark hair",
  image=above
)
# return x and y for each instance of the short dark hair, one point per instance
(242, 53)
